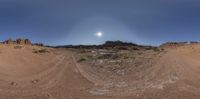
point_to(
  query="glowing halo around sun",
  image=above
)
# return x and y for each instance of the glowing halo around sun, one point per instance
(99, 34)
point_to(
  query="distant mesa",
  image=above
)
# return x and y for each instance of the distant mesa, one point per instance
(38, 44)
(177, 44)
(118, 43)
(174, 44)
(194, 42)
(106, 44)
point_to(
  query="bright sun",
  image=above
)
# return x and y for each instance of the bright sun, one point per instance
(99, 34)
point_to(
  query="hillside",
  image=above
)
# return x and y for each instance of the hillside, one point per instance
(112, 71)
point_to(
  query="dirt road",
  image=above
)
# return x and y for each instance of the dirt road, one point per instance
(57, 75)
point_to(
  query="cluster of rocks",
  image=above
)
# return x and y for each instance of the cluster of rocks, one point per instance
(21, 41)
(18, 41)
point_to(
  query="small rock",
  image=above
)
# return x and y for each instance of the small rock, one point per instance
(13, 83)
(35, 81)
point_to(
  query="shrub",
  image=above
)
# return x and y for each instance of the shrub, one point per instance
(156, 49)
(41, 51)
(82, 59)
(17, 47)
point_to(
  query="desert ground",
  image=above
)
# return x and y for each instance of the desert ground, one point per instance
(117, 72)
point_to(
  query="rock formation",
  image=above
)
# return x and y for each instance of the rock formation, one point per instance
(18, 41)
(9, 41)
(23, 41)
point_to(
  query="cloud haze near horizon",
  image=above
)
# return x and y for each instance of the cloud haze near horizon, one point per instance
(57, 22)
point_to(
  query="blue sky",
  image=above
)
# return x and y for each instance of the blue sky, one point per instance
(60, 22)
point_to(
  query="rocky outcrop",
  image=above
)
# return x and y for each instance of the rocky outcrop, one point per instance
(18, 41)
(23, 41)
(9, 41)
(117, 43)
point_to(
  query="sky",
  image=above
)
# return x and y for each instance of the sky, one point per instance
(63, 22)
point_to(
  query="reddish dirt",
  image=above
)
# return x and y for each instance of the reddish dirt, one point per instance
(56, 74)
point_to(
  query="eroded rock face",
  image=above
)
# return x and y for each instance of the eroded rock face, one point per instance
(18, 41)
(9, 41)
(23, 41)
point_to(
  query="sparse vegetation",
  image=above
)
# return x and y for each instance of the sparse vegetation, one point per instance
(156, 49)
(82, 59)
(121, 48)
(108, 56)
(40, 51)
(18, 47)
(118, 60)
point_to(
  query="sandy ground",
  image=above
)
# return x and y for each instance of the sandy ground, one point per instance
(56, 74)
